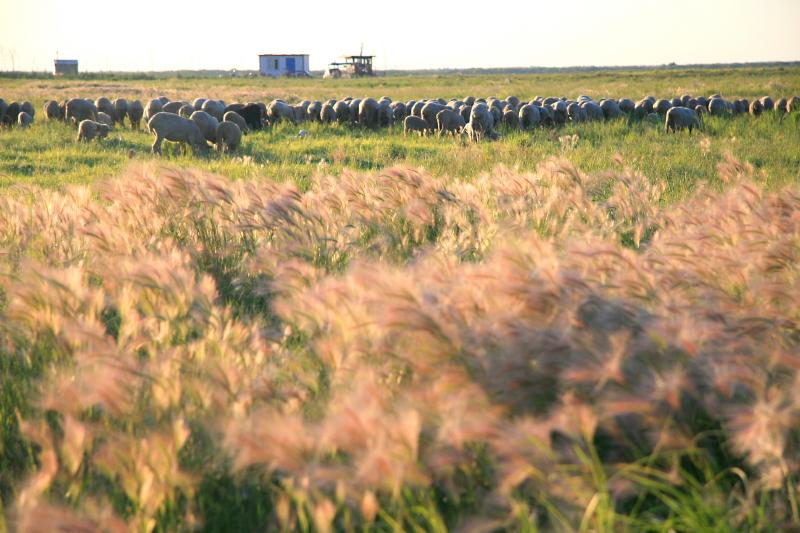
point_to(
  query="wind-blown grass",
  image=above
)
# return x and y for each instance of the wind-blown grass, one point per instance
(551, 350)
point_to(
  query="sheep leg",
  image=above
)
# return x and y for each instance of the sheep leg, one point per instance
(156, 148)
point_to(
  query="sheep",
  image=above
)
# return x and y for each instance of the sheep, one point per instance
(780, 105)
(685, 99)
(52, 110)
(679, 118)
(767, 103)
(354, 105)
(469, 100)
(186, 110)
(327, 115)
(236, 106)
(105, 118)
(215, 108)
(229, 135)
(24, 119)
(593, 111)
(3, 108)
(78, 109)
(700, 109)
(756, 108)
(279, 111)
(27, 107)
(465, 110)
(89, 130)
(135, 113)
(153, 106)
(662, 106)
(626, 105)
(417, 124)
(575, 113)
(676, 102)
(206, 123)
(481, 123)
(236, 118)
(514, 101)
(610, 109)
(448, 121)
(793, 104)
(164, 100)
(174, 107)
(368, 113)
(510, 118)
(253, 115)
(528, 116)
(385, 114)
(399, 110)
(313, 111)
(716, 107)
(197, 103)
(120, 110)
(104, 105)
(170, 127)
(416, 110)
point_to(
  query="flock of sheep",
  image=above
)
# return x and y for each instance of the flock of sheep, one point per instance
(205, 121)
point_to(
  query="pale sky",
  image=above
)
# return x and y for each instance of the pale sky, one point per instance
(408, 34)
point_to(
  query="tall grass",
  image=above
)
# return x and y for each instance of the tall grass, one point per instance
(551, 350)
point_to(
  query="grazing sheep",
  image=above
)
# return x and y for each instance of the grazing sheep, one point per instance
(593, 111)
(174, 106)
(610, 109)
(253, 115)
(327, 115)
(153, 106)
(417, 124)
(89, 130)
(385, 114)
(354, 105)
(52, 111)
(703, 101)
(626, 105)
(679, 118)
(398, 110)
(756, 108)
(236, 118)
(717, 107)
(229, 135)
(3, 108)
(174, 128)
(546, 115)
(685, 99)
(27, 107)
(469, 100)
(676, 102)
(780, 105)
(700, 109)
(197, 103)
(24, 119)
(767, 103)
(793, 105)
(135, 113)
(741, 106)
(465, 110)
(510, 118)
(279, 111)
(416, 110)
(120, 110)
(368, 113)
(449, 122)
(559, 112)
(215, 108)
(236, 106)
(104, 105)
(481, 123)
(575, 113)
(207, 125)
(313, 111)
(78, 109)
(186, 110)
(514, 101)
(662, 106)
(105, 118)
(528, 116)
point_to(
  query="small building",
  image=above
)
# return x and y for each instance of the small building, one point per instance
(66, 67)
(351, 67)
(277, 65)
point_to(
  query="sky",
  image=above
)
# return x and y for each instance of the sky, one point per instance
(409, 34)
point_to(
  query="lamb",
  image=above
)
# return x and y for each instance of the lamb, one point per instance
(679, 118)
(120, 110)
(170, 127)
(24, 119)
(236, 118)
(448, 121)
(229, 135)
(89, 130)
(135, 113)
(417, 124)
(207, 125)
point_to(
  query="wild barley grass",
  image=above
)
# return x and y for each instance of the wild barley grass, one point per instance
(551, 350)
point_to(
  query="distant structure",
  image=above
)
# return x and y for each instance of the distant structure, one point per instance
(351, 67)
(277, 65)
(66, 67)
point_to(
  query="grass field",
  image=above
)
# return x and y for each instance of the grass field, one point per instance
(590, 329)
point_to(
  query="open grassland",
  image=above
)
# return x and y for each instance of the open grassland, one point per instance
(393, 351)
(48, 155)
(304, 336)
